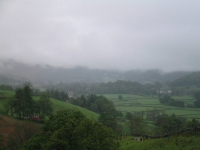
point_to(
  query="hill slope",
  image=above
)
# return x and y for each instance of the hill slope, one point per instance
(60, 105)
(188, 80)
(50, 74)
(57, 105)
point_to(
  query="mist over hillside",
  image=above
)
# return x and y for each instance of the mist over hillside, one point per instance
(17, 72)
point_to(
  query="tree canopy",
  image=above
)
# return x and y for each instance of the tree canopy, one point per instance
(23, 106)
(98, 104)
(62, 96)
(197, 97)
(168, 100)
(108, 120)
(22, 103)
(120, 97)
(171, 123)
(71, 130)
(44, 105)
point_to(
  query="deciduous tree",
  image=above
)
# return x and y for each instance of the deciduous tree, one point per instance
(108, 120)
(70, 130)
(45, 105)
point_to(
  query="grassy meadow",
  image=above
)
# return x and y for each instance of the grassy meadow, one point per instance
(59, 105)
(134, 103)
(170, 143)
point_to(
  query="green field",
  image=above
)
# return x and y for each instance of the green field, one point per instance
(133, 103)
(170, 143)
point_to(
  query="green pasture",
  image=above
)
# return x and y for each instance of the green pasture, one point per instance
(7, 93)
(186, 99)
(59, 105)
(170, 143)
(134, 103)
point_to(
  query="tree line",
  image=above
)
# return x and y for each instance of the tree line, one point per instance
(59, 95)
(162, 123)
(117, 87)
(168, 100)
(22, 104)
(188, 80)
(6, 87)
(95, 103)
(102, 106)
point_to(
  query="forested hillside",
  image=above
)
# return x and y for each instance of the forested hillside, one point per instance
(51, 75)
(192, 79)
(117, 87)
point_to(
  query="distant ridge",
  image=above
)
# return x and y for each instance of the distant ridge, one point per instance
(48, 74)
(188, 80)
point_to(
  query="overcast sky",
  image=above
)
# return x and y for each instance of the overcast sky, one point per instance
(103, 34)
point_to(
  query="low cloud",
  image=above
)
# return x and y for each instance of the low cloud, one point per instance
(121, 35)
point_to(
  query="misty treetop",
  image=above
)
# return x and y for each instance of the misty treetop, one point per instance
(53, 75)
(59, 95)
(118, 87)
(6, 87)
(188, 80)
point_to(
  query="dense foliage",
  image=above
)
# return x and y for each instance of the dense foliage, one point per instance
(6, 87)
(70, 130)
(135, 124)
(197, 97)
(123, 87)
(63, 96)
(169, 123)
(162, 122)
(108, 120)
(23, 106)
(168, 100)
(44, 105)
(117, 87)
(98, 104)
(188, 80)
(120, 97)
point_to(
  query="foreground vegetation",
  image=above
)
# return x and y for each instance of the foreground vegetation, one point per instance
(169, 143)
(14, 132)
(70, 129)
